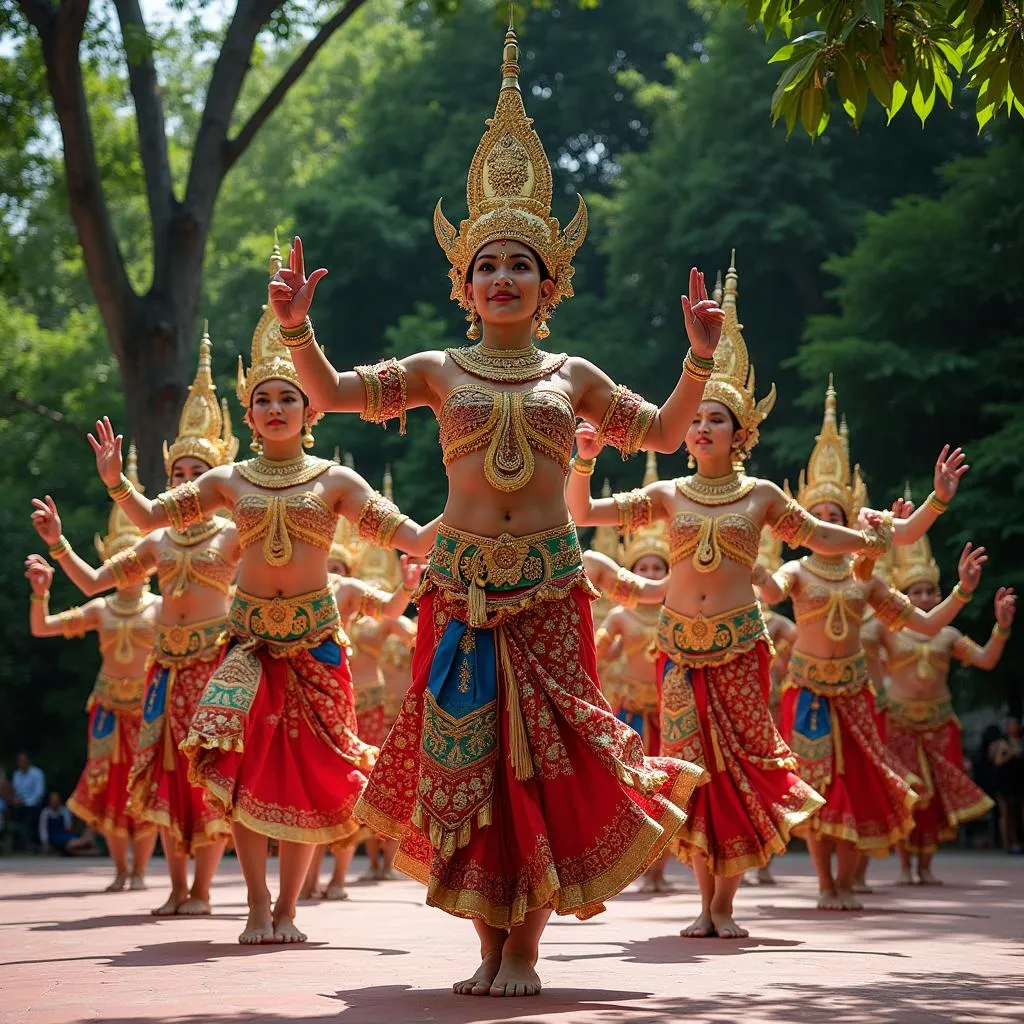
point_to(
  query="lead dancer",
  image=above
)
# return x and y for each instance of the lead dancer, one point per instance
(512, 788)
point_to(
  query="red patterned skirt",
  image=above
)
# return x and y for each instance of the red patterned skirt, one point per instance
(273, 741)
(506, 778)
(370, 718)
(830, 721)
(926, 735)
(716, 714)
(100, 798)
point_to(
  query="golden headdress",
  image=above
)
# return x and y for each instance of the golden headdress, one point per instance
(271, 359)
(121, 531)
(732, 382)
(913, 563)
(204, 429)
(346, 546)
(381, 566)
(648, 540)
(606, 538)
(828, 476)
(508, 193)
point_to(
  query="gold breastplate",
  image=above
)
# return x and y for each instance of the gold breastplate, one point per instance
(930, 656)
(277, 519)
(707, 539)
(129, 635)
(840, 605)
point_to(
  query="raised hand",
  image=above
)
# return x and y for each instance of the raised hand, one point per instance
(46, 521)
(290, 291)
(106, 446)
(412, 571)
(39, 573)
(902, 508)
(703, 317)
(949, 467)
(1006, 606)
(587, 446)
(971, 561)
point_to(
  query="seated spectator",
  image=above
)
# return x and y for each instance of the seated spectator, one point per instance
(55, 831)
(28, 790)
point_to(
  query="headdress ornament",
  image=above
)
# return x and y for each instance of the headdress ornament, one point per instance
(828, 476)
(204, 429)
(381, 566)
(647, 540)
(271, 358)
(913, 563)
(732, 381)
(346, 546)
(508, 193)
(122, 533)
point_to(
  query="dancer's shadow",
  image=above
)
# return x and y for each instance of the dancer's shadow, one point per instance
(674, 949)
(85, 924)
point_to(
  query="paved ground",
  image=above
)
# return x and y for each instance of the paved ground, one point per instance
(69, 953)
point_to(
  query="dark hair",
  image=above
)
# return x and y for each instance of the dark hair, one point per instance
(544, 274)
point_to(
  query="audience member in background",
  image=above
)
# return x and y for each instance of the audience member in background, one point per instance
(55, 826)
(28, 786)
(1007, 755)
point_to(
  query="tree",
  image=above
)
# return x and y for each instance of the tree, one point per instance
(892, 50)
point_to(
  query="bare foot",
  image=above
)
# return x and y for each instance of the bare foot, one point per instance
(847, 900)
(904, 878)
(389, 875)
(119, 882)
(702, 928)
(480, 983)
(662, 884)
(925, 877)
(259, 927)
(137, 884)
(515, 977)
(371, 874)
(765, 876)
(170, 907)
(829, 900)
(648, 884)
(727, 928)
(193, 907)
(285, 931)
(335, 891)
(862, 887)
(310, 890)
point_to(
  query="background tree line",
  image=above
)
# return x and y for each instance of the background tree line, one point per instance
(889, 255)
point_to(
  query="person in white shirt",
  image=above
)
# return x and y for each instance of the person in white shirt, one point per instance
(28, 785)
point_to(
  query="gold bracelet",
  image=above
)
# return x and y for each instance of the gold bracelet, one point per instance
(998, 630)
(961, 595)
(585, 467)
(45, 596)
(121, 490)
(697, 375)
(700, 362)
(936, 504)
(60, 549)
(298, 337)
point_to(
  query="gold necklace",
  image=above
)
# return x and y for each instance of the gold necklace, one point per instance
(197, 532)
(126, 611)
(507, 366)
(717, 490)
(834, 572)
(264, 472)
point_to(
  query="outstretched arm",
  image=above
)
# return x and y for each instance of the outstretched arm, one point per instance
(949, 468)
(75, 622)
(798, 528)
(356, 598)
(620, 585)
(378, 519)
(988, 657)
(775, 587)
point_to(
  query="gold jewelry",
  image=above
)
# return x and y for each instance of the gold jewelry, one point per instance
(542, 330)
(387, 393)
(507, 366)
(298, 337)
(60, 549)
(699, 362)
(691, 462)
(635, 511)
(182, 506)
(795, 525)
(585, 467)
(627, 421)
(72, 623)
(936, 504)
(719, 490)
(127, 569)
(264, 472)
(256, 444)
(961, 595)
(689, 371)
(834, 571)
(379, 520)
(997, 630)
(126, 611)
(307, 437)
(121, 490)
(197, 532)
(42, 598)
(473, 330)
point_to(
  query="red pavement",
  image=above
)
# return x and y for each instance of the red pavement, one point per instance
(70, 953)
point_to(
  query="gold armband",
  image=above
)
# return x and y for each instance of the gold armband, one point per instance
(182, 506)
(298, 337)
(371, 604)
(625, 590)
(387, 394)
(635, 510)
(60, 549)
(127, 569)
(697, 367)
(936, 504)
(961, 595)
(72, 623)
(795, 525)
(964, 648)
(378, 520)
(42, 598)
(894, 610)
(877, 539)
(626, 421)
(121, 490)
(1003, 634)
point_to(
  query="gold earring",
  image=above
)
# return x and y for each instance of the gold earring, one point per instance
(307, 437)
(473, 331)
(256, 444)
(542, 330)
(691, 462)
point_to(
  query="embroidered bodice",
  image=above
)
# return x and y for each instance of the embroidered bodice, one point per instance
(839, 604)
(122, 637)
(277, 519)
(177, 567)
(710, 538)
(512, 426)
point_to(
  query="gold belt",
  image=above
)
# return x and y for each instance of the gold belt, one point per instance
(697, 640)
(117, 694)
(285, 623)
(828, 677)
(921, 715)
(193, 641)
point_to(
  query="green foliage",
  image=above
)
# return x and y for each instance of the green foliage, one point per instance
(892, 50)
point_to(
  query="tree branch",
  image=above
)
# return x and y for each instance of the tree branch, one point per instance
(273, 98)
(60, 29)
(17, 398)
(149, 119)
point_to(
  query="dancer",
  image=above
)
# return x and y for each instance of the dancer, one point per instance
(513, 790)
(827, 706)
(272, 740)
(921, 728)
(195, 566)
(126, 626)
(714, 650)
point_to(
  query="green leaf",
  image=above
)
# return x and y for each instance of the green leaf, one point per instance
(984, 115)
(944, 84)
(846, 80)
(951, 54)
(812, 105)
(899, 97)
(923, 104)
(1016, 78)
(807, 43)
(875, 10)
(878, 80)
